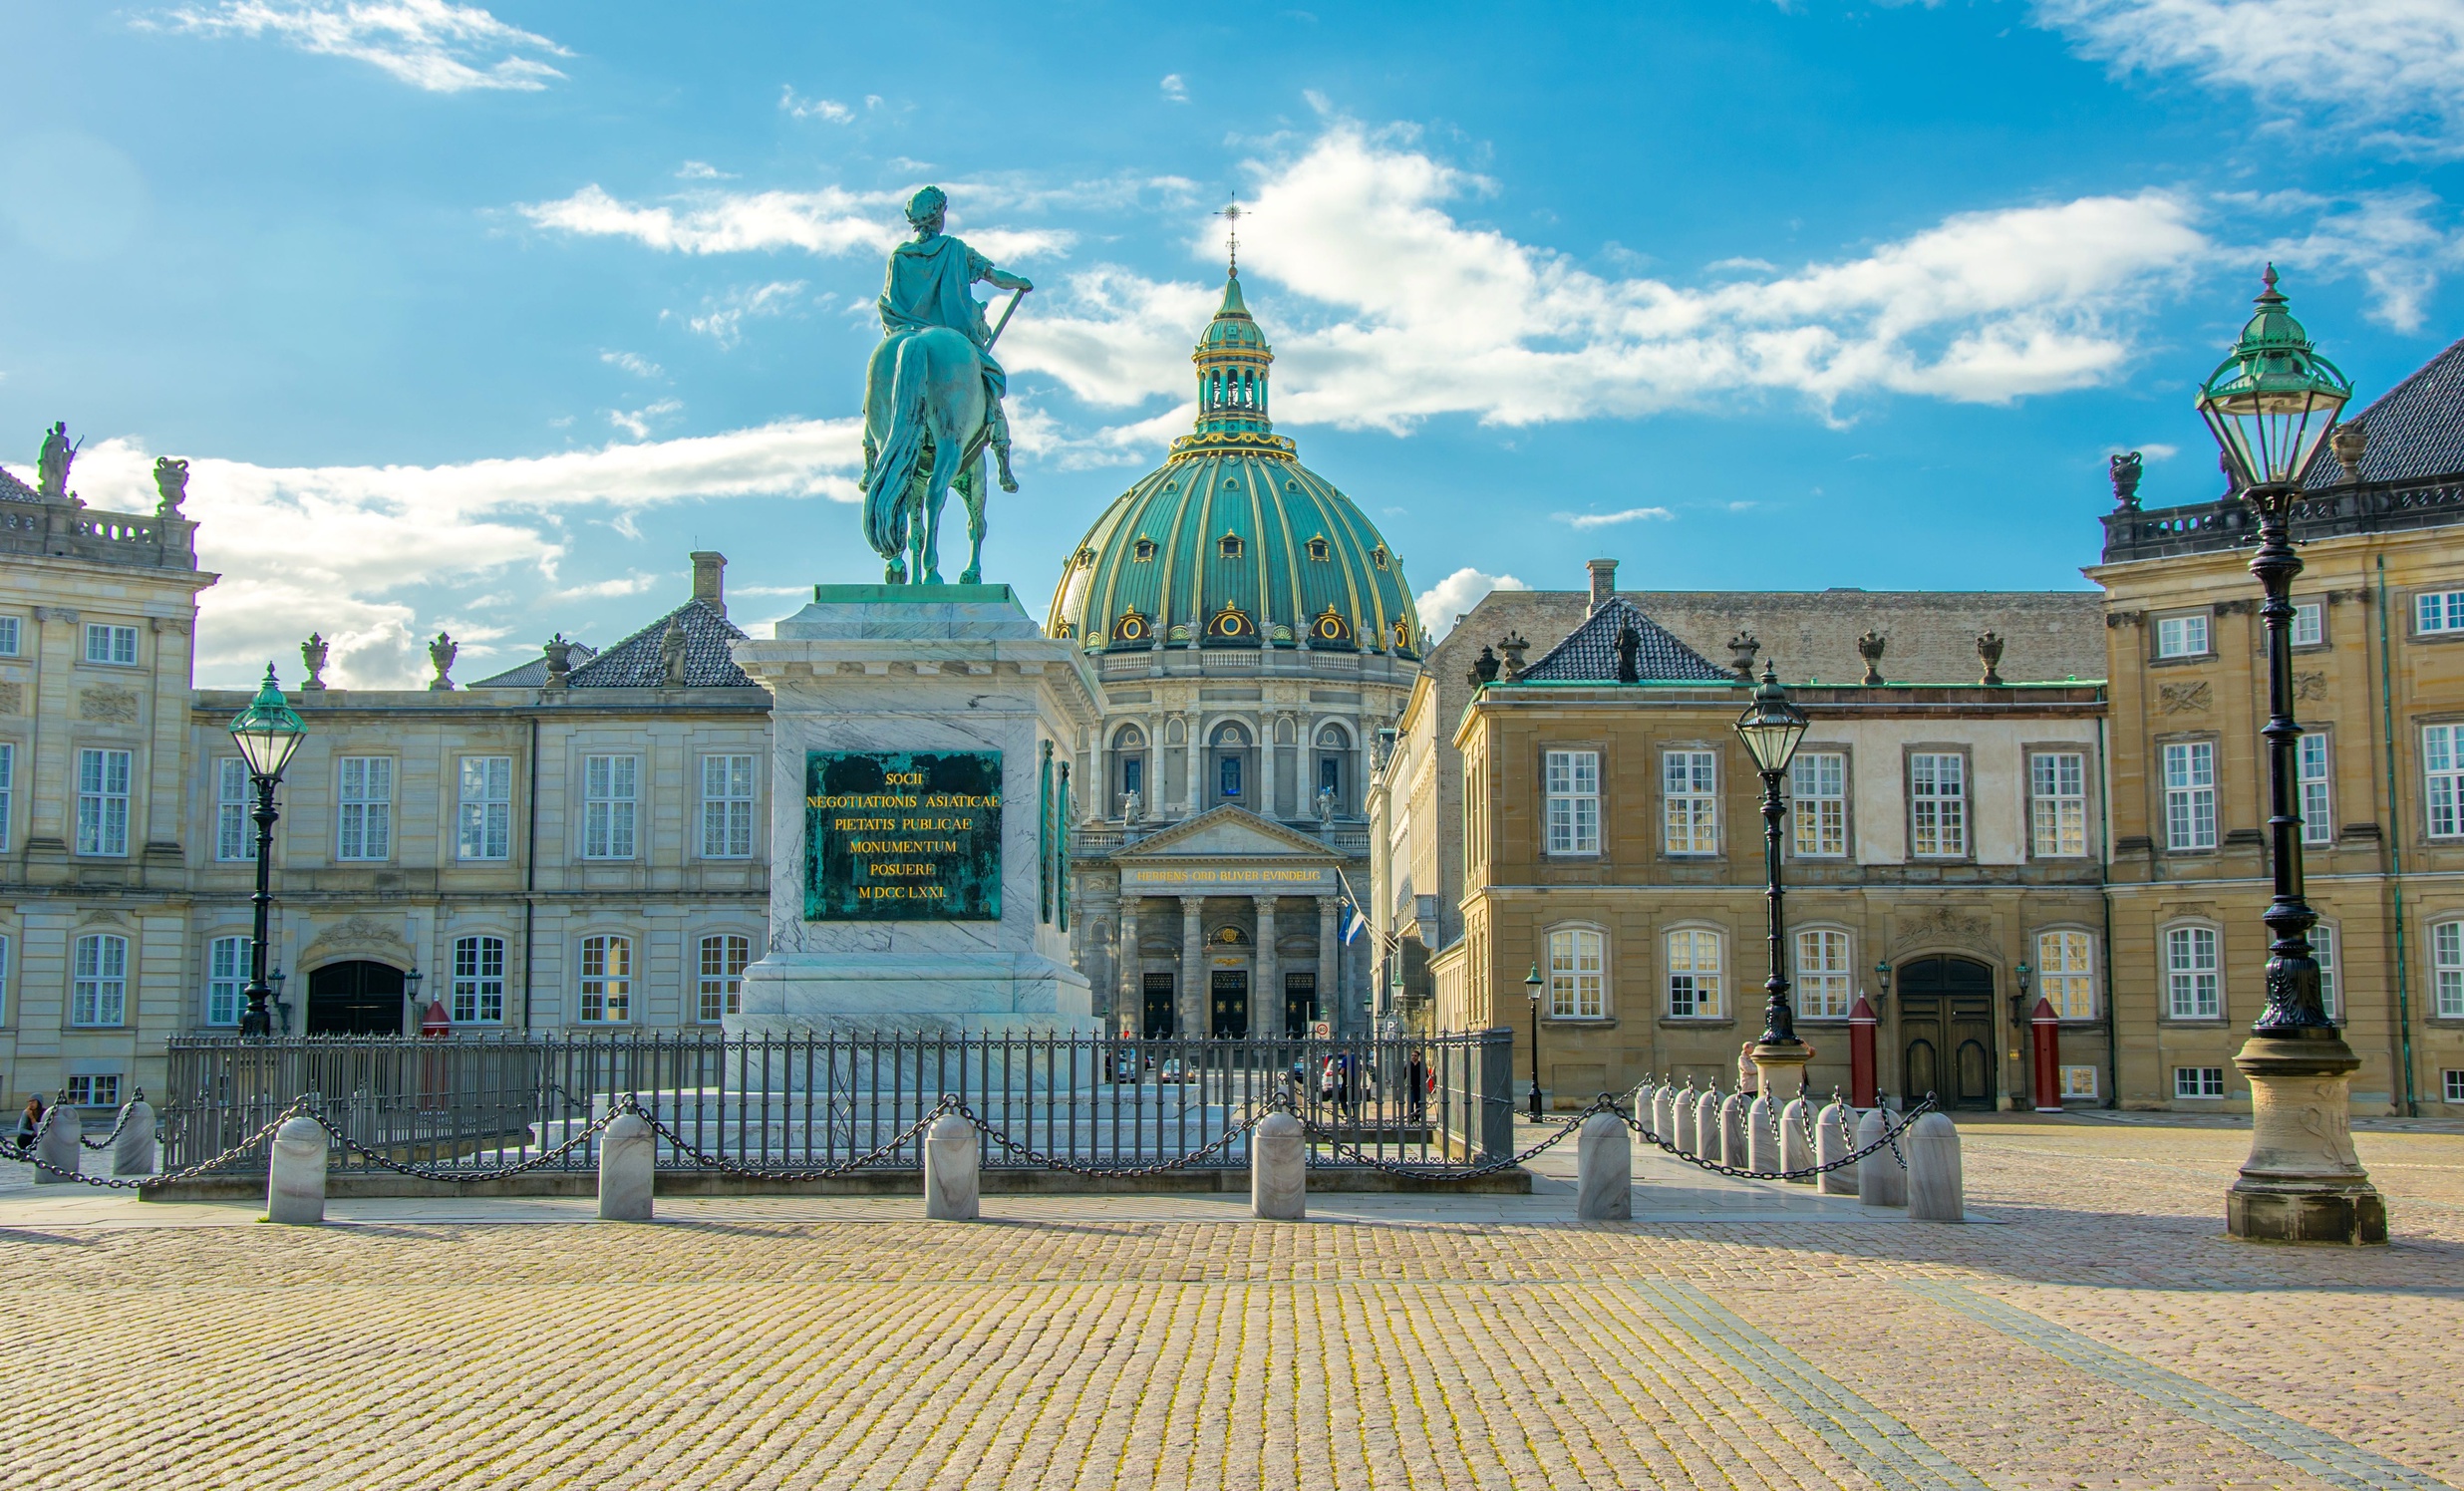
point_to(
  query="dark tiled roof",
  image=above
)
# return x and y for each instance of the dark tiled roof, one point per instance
(13, 490)
(1590, 654)
(2416, 429)
(634, 662)
(533, 673)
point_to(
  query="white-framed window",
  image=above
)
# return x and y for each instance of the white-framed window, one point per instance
(607, 978)
(608, 800)
(2437, 611)
(1938, 805)
(1822, 991)
(99, 981)
(1571, 788)
(2057, 803)
(2078, 1081)
(2065, 973)
(234, 842)
(2193, 976)
(2309, 623)
(2190, 795)
(105, 643)
(94, 1089)
(727, 807)
(1690, 801)
(724, 956)
(2181, 637)
(364, 820)
(2323, 941)
(1818, 802)
(2443, 771)
(2451, 1081)
(479, 981)
(2310, 755)
(5, 967)
(2199, 1081)
(226, 978)
(103, 801)
(8, 789)
(1696, 969)
(483, 826)
(2447, 968)
(11, 628)
(1577, 984)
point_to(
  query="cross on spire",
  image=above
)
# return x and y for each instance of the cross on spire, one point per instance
(1232, 216)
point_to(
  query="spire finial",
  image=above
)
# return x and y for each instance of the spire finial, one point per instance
(2269, 295)
(1232, 216)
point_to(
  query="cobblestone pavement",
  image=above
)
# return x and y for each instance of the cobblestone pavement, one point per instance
(2103, 1335)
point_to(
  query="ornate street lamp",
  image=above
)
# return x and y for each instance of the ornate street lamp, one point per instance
(1531, 987)
(2271, 404)
(267, 733)
(1771, 728)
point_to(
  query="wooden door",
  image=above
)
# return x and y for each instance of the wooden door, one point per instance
(1158, 1014)
(1231, 1009)
(355, 999)
(1946, 1021)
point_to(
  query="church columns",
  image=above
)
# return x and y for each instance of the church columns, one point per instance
(1330, 970)
(1196, 722)
(1191, 1020)
(1266, 765)
(1265, 992)
(1128, 979)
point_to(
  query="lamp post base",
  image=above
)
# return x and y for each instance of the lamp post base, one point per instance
(1780, 1069)
(2302, 1182)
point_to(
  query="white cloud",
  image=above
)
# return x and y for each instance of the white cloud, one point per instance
(1610, 519)
(2394, 240)
(702, 171)
(430, 44)
(2394, 69)
(1174, 90)
(822, 109)
(637, 423)
(1115, 338)
(1443, 604)
(723, 319)
(632, 362)
(349, 550)
(827, 221)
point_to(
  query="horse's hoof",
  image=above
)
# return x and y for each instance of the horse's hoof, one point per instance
(1009, 483)
(971, 577)
(934, 578)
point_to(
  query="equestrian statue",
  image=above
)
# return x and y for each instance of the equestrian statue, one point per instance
(932, 398)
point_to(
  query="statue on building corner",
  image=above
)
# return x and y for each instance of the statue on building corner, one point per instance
(441, 653)
(559, 652)
(170, 485)
(671, 654)
(1628, 652)
(2125, 471)
(52, 465)
(312, 657)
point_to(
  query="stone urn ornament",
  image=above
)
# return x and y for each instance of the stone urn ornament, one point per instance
(1988, 653)
(1869, 647)
(171, 485)
(312, 657)
(441, 653)
(1741, 650)
(559, 652)
(2125, 471)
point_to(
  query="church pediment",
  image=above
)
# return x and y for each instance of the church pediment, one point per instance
(1226, 833)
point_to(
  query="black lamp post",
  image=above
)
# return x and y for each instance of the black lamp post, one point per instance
(1771, 728)
(2270, 405)
(268, 733)
(1531, 987)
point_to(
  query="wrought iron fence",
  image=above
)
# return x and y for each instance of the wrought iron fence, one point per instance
(808, 1102)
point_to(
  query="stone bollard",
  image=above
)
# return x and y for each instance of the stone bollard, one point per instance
(628, 1158)
(1604, 1170)
(295, 1177)
(1880, 1180)
(1731, 1130)
(950, 1179)
(1761, 1137)
(1706, 1124)
(62, 1143)
(1832, 1143)
(1662, 1116)
(136, 1152)
(1681, 1122)
(1279, 1169)
(1796, 1153)
(1936, 1190)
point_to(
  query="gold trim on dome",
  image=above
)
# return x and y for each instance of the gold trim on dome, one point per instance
(1329, 627)
(1233, 442)
(1232, 622)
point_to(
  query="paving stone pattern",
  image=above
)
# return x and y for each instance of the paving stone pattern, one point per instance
(2102, 1333)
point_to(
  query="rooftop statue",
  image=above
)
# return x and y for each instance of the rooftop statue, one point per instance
(52, 466)
(932, 398)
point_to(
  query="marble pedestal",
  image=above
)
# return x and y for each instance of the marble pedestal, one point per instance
(938, 668)
(1780, 1067)
(2302, 1182)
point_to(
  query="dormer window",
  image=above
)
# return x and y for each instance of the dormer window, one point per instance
(1377, 556)
(1319, 549)
(1231, 546)
(1085, 558)
(1142, 550)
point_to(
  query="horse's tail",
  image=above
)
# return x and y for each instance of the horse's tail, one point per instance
(886, 501)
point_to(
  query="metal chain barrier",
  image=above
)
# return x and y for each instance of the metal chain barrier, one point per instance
(1034, 1156)
(384, 1161)
(105, 1142)
(1889, 1140)
(300, 1108)
(1338, 1145)
(706, 1160)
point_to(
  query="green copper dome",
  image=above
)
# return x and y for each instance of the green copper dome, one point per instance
(1232, 542)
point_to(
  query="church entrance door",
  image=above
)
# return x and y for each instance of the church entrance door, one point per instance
(1158, 1012)
(1231, 1010)
(355, 999)
(1300, 1004)
(1946, 1021)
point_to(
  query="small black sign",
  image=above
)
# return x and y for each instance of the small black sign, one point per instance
(902, 837)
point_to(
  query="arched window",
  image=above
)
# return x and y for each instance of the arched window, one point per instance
(99, 987)
(722, 988)
(1142, 550)
(1578, 974)
(2447, 968)
(479, 981)
(1230, 749)
(1697, 966)
(1332, 747)
(607, 980)
(1128, 766)
(1822, 988)
(2065, 973)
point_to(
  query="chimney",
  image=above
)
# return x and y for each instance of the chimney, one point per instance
(1602, 581)
(709, 580)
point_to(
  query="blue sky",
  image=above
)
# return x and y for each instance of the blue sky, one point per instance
(478, 317)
